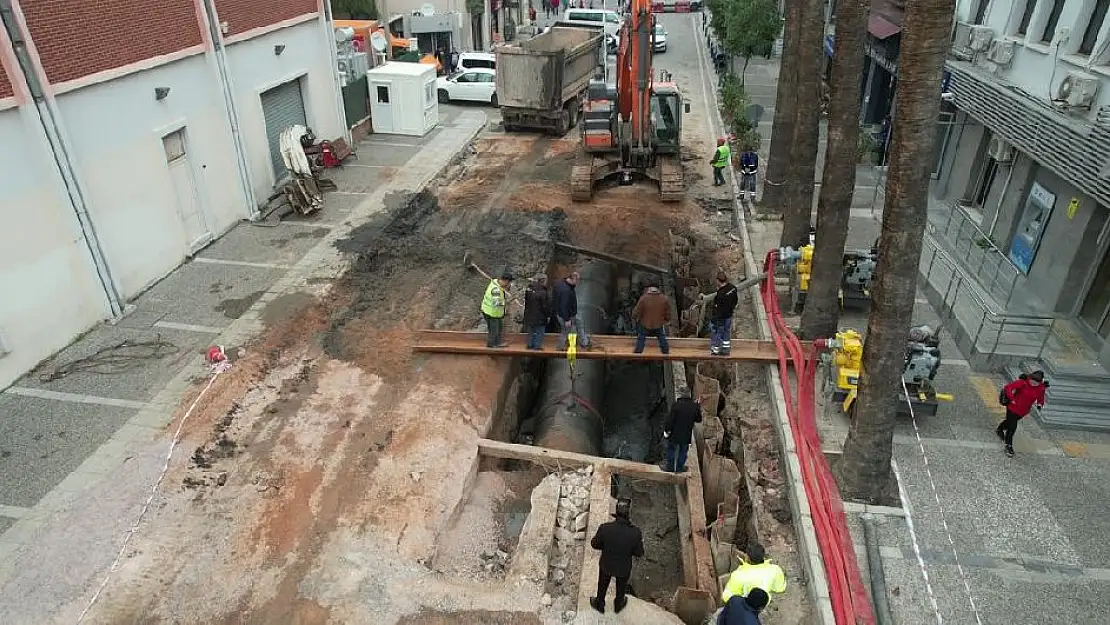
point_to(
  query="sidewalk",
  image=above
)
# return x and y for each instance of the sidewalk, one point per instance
(1028, 532)
(67, 438)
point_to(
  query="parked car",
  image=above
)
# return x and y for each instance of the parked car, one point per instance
(611, 20)
(476, 60)
(475, 85)
(659, 38)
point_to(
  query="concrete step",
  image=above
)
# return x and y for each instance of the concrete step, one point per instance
(1086, 372)
(1073, 417)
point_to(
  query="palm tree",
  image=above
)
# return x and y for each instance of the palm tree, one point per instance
(782, 130)
(797, 213)
(838, 179)
(864, 468)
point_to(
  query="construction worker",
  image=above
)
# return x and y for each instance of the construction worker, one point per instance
(651, 315)
(720, 320)
(749, 167)
(720, 160)
(1018, 397)
(619, 541)
(493, 309)
(566, 310)
(756, 572)
(744, 610)
(537, 311)
(678, 431)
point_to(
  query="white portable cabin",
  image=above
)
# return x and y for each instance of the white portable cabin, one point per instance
(403, 98)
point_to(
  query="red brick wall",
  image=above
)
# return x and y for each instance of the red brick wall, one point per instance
(243, 15)
(76, 38)
(5, 84)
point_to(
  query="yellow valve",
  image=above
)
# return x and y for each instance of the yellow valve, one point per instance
(572, 349)
(945, 396)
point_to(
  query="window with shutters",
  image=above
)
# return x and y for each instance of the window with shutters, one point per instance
(1026, 16)
(1094, 27)
(1053, 21)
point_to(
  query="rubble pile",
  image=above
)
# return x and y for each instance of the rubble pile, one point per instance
(571, 521)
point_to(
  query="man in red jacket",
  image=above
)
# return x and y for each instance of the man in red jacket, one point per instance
(1018, 397)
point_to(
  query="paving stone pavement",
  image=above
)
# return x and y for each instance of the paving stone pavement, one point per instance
(79, 453)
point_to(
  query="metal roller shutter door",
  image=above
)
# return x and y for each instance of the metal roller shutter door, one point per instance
(282, 107)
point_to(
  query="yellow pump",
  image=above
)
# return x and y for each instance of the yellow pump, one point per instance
(847, 347)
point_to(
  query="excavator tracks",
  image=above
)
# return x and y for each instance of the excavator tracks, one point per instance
(582, 178)
(672, 181)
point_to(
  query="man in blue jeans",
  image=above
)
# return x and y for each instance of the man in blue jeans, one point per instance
(678, 431)
(720, 319)
(651, 315)
(566, 311)
(537, 311)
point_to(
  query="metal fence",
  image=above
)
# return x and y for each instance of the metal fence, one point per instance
(977, 254)
(967, 312)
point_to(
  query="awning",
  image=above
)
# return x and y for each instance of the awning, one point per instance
(880, 28)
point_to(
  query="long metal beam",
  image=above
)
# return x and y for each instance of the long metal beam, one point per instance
(554, 459)
(605, 347)
(618, 260)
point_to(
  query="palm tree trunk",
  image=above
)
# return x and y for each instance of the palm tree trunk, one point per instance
(865, 466)
(782, 130)
(838, 179)
(797, 214)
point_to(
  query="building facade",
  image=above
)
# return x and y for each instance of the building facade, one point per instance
(131, 136)
(1026, 154)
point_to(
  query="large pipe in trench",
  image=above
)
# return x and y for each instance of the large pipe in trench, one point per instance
(567, 416)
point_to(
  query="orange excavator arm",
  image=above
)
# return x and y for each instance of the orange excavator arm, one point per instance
(634, 71)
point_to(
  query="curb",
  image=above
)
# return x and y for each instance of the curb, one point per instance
(312, 273)
(808, 550)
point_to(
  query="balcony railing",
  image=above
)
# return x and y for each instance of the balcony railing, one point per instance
(978, 255)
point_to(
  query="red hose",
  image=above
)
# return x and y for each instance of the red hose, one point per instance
(847, 593)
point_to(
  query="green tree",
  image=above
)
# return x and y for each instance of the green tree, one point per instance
(838, 179)
(864, 468)
(734, 109)
(355, 9)
(751, 27)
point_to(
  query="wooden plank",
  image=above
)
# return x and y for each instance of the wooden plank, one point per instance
(685, 538)
(554, 458)
(605, 347)
(699, 534)
(611, 258)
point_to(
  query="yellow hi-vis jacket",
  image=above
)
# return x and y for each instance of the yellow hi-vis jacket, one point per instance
(721, 156)
(765, 575)
(493, 304)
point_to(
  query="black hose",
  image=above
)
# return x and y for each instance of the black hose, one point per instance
(879, 595)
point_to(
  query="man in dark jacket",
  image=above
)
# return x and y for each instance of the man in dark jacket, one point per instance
(566, 311)
(651, 315)
(743, 610)
(720, 320)
(678, 431)
(537, 311)
(619, 541)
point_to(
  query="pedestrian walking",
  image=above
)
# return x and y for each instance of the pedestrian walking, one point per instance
(719, 161)
(537, 311)
(744, 610)
(531, 14)
(566, 311)
(755, 572)
(651, 315)
(749, 167)
(1018, 397)
(720, 320)
(618, 541)
(493, 309)
(678, 431)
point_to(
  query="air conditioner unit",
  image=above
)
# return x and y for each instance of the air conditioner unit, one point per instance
(961, 39)
(1077, 90)
(1000, 150)
(1001, 51)
(980, 38)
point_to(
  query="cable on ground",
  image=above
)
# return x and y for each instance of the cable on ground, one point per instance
(123, 356)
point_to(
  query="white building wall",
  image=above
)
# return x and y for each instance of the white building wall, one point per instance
(114, 132)
(255, 68)
(49, 292)
(1037, 68)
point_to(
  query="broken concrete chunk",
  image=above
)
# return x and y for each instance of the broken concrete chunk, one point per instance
(580, 536)
(487, 555)
(581, 522)
(563, 534)
(558, 576)
(546, 600)
(502, 555)
(569, 615)
(560, 561)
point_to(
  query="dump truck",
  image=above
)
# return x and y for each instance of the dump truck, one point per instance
(541, 81)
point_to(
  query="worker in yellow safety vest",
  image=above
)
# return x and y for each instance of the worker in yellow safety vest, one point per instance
(721, 159)
(493, 308)
(756, 572)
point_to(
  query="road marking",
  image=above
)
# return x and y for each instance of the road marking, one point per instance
(1073, 449)
(238, 263)
(188, 327)
(1025, 444)
(14, 512)
(74, 397)
(988, 392)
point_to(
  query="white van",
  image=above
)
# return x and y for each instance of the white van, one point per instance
(610, 19)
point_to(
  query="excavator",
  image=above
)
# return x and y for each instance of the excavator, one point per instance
(632, 129)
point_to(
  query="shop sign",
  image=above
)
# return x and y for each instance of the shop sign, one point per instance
(1034, 219)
